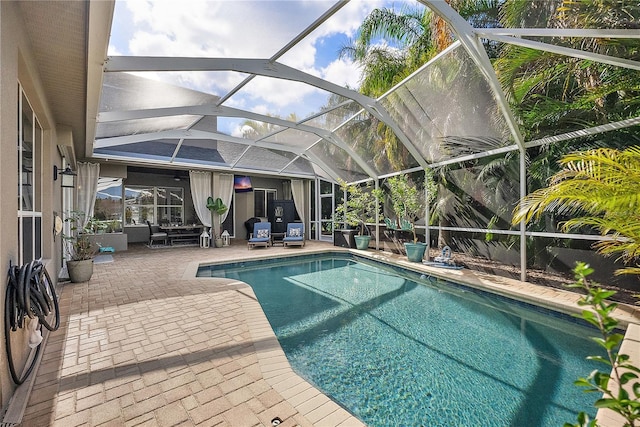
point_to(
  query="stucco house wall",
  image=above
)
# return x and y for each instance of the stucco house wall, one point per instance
(18, 68)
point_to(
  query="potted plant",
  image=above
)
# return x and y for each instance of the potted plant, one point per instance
(217, 207)
(113, 226)
(79, 248)
(408, 205)
(359, 208)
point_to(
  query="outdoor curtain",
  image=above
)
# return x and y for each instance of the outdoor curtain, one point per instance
(286, 190)
(297, 189)
(225, 192)
(200, 183)
(88, 174)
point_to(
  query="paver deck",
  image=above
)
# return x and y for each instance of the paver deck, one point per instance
(145, 343)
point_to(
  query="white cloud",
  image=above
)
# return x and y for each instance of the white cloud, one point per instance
(244, 29)
(342, 72)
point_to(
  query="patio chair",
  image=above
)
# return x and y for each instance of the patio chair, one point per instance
(156, 235)
(261, 235)
(295, 234)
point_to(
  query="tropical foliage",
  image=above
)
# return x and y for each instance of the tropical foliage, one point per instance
(596, 188)
(551, 93)
(78, 246)
(360, 206)
(407, 201)
(619, 385)
(217, 208)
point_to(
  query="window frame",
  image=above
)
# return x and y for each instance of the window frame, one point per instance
(154, 206)
(29, 217)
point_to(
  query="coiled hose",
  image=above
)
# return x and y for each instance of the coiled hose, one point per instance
(30, 293)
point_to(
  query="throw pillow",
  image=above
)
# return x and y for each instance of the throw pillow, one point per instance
(263, 234)
(294, 232)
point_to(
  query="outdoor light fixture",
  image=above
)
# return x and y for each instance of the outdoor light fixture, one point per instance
(204, 239)
(67, 176)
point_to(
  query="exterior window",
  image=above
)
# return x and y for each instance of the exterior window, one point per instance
(109, 207)
(29, 191)
(261, 197)
(158, 205)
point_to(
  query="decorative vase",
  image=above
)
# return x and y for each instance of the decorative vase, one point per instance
(362, 242)
(80, 271)
(218, 242)
(415, 251)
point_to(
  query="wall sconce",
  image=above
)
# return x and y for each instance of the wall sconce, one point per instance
(67, 176)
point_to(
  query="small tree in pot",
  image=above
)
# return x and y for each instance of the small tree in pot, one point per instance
(408, 204)
(80, 251)
(217, 207)
(359, 208)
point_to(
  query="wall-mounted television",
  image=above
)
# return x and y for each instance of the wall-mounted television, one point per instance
(242, 184)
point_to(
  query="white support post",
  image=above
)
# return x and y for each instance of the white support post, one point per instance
(377, 185)
(523, 224)
(427, 215)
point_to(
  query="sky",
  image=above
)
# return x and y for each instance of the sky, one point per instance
(245, 29)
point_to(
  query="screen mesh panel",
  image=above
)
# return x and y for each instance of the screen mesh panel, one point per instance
(341, 162)
(375, 144)
(266, 159)
(481, 194)
(294, 138)
(138, 126)
(447, 109)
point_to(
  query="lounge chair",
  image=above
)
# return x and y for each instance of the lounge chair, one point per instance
(155, 234)
(295, 234)
(261, 235)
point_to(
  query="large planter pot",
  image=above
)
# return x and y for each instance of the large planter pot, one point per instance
(415, 251)
(344, 238)
(80, 271)
(362, 242)
(218, 243)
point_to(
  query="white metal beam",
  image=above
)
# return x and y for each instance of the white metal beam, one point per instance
(213, 110)
(189, 134)
(130, 160)
(262, 67)
(560, 32)
(567, 51)
(321, 19)
(585, 132)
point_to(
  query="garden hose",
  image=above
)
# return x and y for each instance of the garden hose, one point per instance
(30, 293)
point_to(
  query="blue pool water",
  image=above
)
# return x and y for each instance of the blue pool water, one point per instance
(398, 348)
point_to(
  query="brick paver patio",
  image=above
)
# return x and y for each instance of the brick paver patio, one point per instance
(141, 345)
(145, 343)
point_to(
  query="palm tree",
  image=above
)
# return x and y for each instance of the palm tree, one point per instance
(596, 188)
(551, 93)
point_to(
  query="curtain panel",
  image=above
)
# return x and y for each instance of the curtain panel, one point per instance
(88, 174)
(200, 183)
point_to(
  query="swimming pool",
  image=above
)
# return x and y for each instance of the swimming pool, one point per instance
(395, 347)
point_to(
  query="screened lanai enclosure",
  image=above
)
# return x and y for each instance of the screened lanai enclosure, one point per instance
(486, 95)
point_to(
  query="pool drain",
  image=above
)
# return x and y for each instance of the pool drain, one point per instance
(276, 421)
